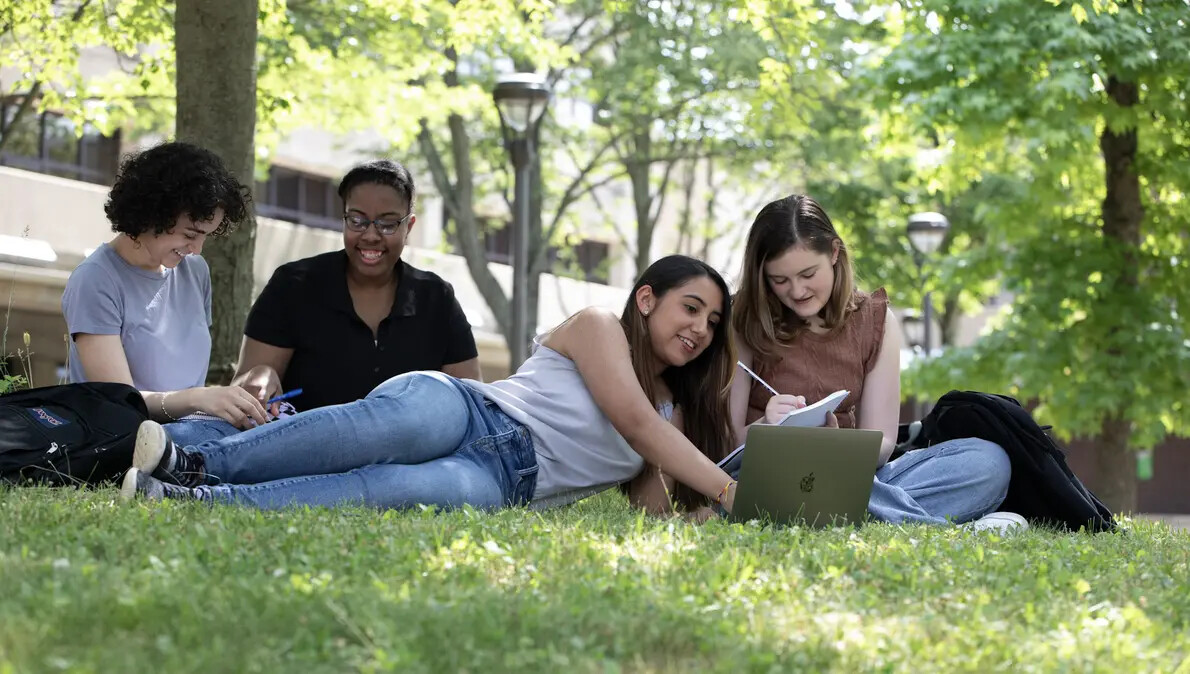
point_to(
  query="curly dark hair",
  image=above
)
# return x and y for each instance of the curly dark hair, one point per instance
(155, 186)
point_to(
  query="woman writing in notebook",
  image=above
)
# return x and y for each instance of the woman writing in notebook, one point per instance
(803, 327)
(599, 398)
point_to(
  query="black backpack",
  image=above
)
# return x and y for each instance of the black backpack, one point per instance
(1042, 489)
(69, 435)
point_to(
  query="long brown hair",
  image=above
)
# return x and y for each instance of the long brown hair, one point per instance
(761, 320)
(702, 387)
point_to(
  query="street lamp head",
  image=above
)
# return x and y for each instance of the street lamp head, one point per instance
(521, 99)
(914, 328)
(927, 230)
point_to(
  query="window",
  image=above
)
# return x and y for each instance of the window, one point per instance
(303, 198)
(592, 259)
(49, 143)
(587, 260)
(497, 239)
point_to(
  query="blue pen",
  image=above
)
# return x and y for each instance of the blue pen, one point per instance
(285, 396)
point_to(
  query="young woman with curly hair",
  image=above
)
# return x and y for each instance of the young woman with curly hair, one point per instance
(138, 309)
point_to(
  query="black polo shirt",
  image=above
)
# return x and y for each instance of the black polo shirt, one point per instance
(306, 307)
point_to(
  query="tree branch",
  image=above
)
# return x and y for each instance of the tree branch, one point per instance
(658, 197)
(572, 191)
(620, 234)
(437, 169)
(26, 103)
(588, 189)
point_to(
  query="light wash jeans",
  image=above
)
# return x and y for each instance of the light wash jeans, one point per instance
(418, 438)
(956, 481)
(189, 432)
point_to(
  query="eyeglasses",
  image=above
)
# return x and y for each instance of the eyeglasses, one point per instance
(386, 226)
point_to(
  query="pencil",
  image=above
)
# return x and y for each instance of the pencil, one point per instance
(757, 378)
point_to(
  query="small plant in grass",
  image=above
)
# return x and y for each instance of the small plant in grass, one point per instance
(15, 382)
(10, 382)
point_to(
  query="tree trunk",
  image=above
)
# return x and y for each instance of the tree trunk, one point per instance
(27, 104)
(537, 241)
(459, 197)
(686, 223)
(948, 319)
(1122, 217)
(216, 108)
(712, 195)
(642, 198)
(1115, 466)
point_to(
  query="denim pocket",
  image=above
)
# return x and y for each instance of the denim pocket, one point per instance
(526, 484)
(522, 459)
(509, 456)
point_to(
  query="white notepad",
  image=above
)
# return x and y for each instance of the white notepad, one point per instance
(805, 417)
(814, 415)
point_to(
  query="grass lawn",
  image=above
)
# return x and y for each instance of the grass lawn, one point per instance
(88, 584)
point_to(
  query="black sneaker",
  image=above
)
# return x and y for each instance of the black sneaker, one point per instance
(152, 489)
(157, 455)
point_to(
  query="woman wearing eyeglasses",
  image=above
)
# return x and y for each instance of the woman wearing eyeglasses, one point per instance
(336, 325)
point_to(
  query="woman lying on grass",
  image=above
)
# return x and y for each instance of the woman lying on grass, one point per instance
(599, 398)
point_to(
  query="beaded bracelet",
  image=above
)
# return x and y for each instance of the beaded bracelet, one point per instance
(165, 411)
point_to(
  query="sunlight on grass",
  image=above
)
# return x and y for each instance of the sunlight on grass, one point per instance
(95, 585)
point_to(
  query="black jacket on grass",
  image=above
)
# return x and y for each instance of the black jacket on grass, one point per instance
(1042, 489)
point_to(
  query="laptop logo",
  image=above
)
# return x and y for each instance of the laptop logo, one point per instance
(807, 483)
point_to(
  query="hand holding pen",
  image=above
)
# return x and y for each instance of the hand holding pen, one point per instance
(780, 404)
(274, 404)
(285, 396)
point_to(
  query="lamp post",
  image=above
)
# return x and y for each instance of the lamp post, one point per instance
(914, 329)
(926, 232)
(521, 99)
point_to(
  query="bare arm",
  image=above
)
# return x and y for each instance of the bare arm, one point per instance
(261, 368)
(880, 410)
(652, 490)
(594, 340)
(466, 369)
(103, 359)
(741, 390)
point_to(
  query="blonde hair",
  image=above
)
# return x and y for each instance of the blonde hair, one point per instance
(763, 323)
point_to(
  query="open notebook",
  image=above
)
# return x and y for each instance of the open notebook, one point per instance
(805, 417)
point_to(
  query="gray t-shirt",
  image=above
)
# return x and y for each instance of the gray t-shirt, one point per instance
(163, 318)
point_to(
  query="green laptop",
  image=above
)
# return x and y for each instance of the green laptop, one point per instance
(815, 477)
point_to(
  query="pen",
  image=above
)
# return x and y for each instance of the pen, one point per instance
(757, 378)
(287, 396)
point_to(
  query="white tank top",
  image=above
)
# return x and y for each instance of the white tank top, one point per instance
(579, 452)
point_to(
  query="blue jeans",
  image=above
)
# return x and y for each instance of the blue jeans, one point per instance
(418, 438)
(197, 431)
(956, 481)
